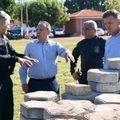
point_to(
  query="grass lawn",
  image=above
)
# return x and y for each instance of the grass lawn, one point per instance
(63, 70)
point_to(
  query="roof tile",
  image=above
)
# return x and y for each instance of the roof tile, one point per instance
(87, 13)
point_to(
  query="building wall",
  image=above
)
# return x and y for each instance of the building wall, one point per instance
(75, 25)
(70, 27)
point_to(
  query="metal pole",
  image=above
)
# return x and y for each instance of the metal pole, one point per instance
(21, 17)
(26, 13)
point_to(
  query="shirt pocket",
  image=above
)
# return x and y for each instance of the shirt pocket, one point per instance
(3, 50)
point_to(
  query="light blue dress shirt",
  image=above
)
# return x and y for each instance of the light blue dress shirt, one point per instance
(112, 48)
(46, 53)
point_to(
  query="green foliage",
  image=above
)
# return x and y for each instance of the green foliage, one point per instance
(101, 5)
(76, 5)
(14, 10)
(113, 4)
(10, 7)
(4, 4)
(52, 11)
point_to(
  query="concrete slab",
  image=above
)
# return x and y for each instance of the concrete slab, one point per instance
(103, 76)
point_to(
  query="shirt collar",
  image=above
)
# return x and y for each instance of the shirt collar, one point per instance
(38, 41)
(118, 34)
(92, 38)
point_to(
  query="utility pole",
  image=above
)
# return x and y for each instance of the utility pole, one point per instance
(26, 13)
(21, 2)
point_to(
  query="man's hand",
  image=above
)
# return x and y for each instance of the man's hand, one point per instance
(76, 76)
(33, 60)
(26, 62)
(70, 57)
(25, 88)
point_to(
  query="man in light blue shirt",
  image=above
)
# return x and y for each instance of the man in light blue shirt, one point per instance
(43, 73)
(111, 20)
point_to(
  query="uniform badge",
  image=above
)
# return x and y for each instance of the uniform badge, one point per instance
(1, 86)
(96, 49)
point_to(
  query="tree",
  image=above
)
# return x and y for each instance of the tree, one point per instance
(52, 11)
(113, 4)
(4, 4)
(14, 10)
(10, 7)
(76, 5)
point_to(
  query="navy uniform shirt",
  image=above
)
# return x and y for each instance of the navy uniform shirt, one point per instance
(8, 57)
(91, 52)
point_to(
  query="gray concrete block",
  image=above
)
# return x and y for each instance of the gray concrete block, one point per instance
(42, 96)
(90, 97)
(114, 63)
(24, 118)
(48, 110)
(70, 109)
(35, 109)
(77, 89)
(103, 76)
(104, 112)
(107, 99)
(105, 87)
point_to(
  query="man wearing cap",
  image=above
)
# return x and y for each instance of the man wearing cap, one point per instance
(91, 51)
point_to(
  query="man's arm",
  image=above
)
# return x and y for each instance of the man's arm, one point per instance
(63, 52)
(7, 59)
(73, 65)
(24, 68)
(11, 57)
(13, 52)
(17, 57)
(23, 77)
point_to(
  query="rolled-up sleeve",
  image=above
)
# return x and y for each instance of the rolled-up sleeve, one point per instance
(61, 50)
(23, 69)
(23, 74)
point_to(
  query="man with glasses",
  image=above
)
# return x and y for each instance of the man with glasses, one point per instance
(91, 51)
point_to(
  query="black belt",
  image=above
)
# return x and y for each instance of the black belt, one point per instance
(46, 79)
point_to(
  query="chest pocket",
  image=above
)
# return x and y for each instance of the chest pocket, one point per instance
(3, 50)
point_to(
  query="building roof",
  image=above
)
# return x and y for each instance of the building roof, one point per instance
(85, 13)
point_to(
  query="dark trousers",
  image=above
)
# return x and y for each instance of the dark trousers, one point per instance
(83, 79)
(6, 98)
(49, 84)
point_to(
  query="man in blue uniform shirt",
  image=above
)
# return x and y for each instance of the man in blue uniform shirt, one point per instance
(43, 74)
(91, 51)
